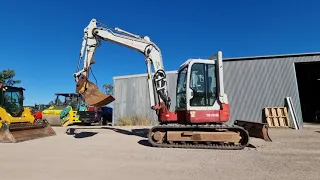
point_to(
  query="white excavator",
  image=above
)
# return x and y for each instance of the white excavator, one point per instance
(202, 107)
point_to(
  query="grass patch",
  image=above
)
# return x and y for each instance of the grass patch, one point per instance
(135, 120)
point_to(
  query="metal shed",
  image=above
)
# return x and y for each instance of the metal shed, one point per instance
(251, 83)
(132, 98)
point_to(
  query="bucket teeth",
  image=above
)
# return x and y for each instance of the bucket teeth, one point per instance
(19, 132)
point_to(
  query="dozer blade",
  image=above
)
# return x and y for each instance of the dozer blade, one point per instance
(255, 129)
(18, 132)
(92, 94)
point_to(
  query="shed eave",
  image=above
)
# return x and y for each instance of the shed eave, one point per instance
(272, 56)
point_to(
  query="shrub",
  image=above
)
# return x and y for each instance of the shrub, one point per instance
(135, 120)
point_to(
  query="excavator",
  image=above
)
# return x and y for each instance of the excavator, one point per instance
(17, 123)
(202, 112)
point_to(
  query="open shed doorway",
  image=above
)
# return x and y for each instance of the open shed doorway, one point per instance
(308, 79)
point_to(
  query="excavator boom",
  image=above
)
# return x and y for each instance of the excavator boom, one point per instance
(93, 34)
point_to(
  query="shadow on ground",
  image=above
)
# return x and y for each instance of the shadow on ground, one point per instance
(134, 132)
(144, 142)
(143, 132)
(72, 131)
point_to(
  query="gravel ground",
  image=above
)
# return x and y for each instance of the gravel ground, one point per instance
(103, 153)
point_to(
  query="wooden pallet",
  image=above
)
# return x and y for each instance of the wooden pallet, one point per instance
(277, 116)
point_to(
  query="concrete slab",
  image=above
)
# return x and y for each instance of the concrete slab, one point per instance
(123, 153)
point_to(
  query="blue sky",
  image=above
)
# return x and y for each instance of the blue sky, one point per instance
(41, 40)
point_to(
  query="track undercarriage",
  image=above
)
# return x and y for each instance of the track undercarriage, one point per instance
(212, 136)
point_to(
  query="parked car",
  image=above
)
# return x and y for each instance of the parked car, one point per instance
(101, 115)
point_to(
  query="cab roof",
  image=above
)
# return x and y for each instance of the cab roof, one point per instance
(187, 62)
(11, 87)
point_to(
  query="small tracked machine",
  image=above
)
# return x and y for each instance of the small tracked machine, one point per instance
(17, 123)
(202, 112)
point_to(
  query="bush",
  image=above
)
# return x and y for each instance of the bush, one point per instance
(135, 120)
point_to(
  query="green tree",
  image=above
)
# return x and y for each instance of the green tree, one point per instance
(7, 77)
(108, 88)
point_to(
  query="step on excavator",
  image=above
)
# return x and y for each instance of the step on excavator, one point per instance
(202, 112)
(17, 123)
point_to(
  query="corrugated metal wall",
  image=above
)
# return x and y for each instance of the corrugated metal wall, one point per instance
(251, 85)
(132, 96)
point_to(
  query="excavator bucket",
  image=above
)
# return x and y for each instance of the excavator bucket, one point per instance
(255, 129)
(18, 132)
(92, 94)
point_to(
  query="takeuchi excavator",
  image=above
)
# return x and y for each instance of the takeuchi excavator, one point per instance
(202, 112)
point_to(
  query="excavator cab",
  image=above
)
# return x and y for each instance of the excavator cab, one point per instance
(17, 122)
(200, 90)
(203, 112)
(12, 100)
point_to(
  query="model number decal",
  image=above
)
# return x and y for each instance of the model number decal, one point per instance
(212, 115)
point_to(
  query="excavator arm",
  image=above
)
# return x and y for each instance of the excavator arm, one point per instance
(93, 34)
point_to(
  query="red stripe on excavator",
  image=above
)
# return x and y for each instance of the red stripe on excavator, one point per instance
(225, 112)
(197, 116)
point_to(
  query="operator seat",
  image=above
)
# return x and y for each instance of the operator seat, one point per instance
(198, 90)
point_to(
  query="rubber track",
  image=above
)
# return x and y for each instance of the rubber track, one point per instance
(190, 145)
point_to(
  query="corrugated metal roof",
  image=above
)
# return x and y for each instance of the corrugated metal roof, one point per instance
(272, 56)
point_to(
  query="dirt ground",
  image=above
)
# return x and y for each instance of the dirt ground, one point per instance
(105, 153)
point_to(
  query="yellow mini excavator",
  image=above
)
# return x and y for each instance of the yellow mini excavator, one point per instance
(17, 123)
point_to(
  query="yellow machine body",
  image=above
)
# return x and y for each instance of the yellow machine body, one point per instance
(53, 116)
(62, 113)
(16, 122)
